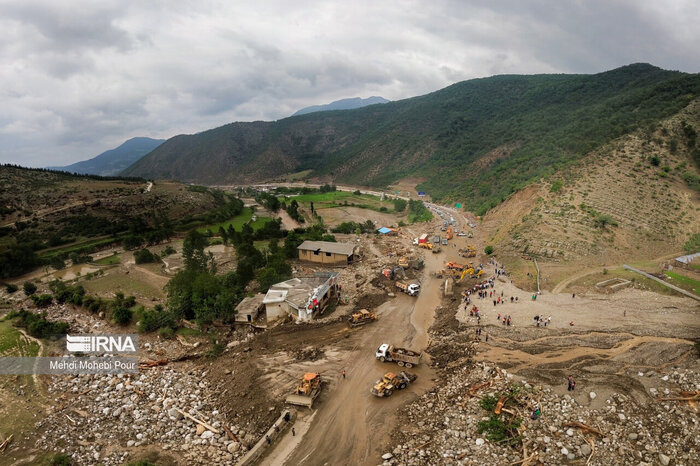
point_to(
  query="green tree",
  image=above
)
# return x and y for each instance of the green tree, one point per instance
(400, 205)
(193, 251)
(488, 250)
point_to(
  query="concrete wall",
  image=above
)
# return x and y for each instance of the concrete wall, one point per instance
(262, 448)
(275, 311)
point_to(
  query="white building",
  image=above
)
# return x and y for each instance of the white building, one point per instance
(303, 297)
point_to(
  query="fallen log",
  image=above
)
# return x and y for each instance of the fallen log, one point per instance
(188, 416)
(584, 427)
(4, 444)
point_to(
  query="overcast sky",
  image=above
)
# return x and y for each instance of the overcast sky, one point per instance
(81, 77)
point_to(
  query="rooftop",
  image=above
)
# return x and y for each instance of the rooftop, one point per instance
(250, 305)
(328, 246)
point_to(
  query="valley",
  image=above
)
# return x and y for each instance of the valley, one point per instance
(512, 274)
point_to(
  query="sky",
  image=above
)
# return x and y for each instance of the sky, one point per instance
(81, 77)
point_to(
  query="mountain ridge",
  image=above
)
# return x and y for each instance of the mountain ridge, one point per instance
(546, 121)
(343, 104)
(111, 162)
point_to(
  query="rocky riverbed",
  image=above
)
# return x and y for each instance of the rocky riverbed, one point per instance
(442, 427)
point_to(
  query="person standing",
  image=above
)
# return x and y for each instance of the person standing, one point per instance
(343, 373)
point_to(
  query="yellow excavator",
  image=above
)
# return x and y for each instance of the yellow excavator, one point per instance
(425, 245)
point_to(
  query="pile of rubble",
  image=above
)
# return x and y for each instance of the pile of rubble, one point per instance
(105, 418)
(442, 427)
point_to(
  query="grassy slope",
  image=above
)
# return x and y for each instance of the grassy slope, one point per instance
(656, 211)
(525, 126)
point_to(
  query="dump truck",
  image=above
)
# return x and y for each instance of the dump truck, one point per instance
(402, 356)
(307, 391)
(454, 266)
(361, 317)
(391, 382)
(450, 232)
(411, 289)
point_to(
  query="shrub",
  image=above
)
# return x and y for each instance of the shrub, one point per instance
(167, 333)
(357, 192)
(144, 256)
(122, 315)
(655, 160)
(37, 325)
(603, 220)
(29, 288)
(556, 186)
(42, 300)
(60, 460)
(168, 251)
(11, 288)
(498, 431)
(156, 318)
(488, 250)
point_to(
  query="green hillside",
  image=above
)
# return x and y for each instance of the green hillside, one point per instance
(476, 141)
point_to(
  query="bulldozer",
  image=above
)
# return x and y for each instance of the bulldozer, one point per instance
(307, 391)
(361, 317)
(390, 382)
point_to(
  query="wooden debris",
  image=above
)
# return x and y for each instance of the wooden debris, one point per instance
(499, 405)
(230, 434)
(188, 416)
(149, 364)
(584, 427)
(3, 445)
(138, 392)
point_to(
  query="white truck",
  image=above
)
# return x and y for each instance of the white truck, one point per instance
(402, 356)
(411, 289)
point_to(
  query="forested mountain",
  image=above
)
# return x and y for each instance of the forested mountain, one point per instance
(111, 162)
(477, 141)
(343, 104)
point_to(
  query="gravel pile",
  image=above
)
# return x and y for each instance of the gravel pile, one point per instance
(441, 427)
(105, 419)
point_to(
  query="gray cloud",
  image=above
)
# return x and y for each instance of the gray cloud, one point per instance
(79, 77)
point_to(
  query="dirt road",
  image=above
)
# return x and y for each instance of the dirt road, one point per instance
(351, 426)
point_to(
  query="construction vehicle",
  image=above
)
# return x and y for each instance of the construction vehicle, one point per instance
(454, 266)
(391, 382)
(402, 356)
(307, 391)
(416, 264)
(425, 245)
(469, 251)
(361, 317)
(450, 232)
(423, 238)
(393, 272)
(403, 262)
(411, 289)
